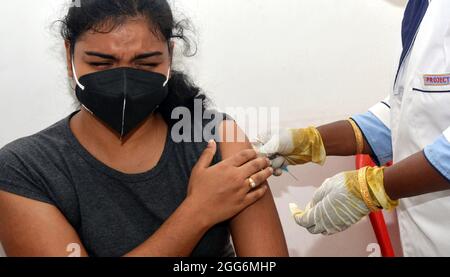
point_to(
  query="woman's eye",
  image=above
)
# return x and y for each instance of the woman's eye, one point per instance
(148, 64)
(100, 64)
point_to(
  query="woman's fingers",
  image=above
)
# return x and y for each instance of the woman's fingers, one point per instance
(259, 178)
(207, 156)
(255, 195)
(243, 157)
(254, 166)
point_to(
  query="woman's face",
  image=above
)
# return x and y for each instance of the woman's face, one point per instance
(132, 44)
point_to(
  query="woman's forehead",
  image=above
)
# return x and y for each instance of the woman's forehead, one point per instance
(134, 35)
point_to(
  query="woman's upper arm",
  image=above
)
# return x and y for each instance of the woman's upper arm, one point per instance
(30, 228)
(257, 230)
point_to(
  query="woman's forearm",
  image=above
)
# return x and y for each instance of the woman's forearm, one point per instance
(413, 176)
(339, 139)
(177, 237)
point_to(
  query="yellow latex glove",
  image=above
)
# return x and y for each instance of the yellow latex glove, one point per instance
(293, 147)
(343, 200)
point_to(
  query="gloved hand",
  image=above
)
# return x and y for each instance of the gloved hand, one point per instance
(293, 147)
(343, 200)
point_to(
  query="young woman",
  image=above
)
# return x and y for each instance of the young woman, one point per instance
(110, 178)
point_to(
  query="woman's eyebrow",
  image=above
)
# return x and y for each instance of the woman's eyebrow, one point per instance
(111, 57)
(100, 55)
(147, 55)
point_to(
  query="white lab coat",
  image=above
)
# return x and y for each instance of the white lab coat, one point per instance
(416, 119)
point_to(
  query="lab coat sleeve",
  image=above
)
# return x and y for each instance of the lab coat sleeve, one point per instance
(438, 154)
(375, 126)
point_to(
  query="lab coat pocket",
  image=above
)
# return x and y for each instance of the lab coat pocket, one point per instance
(443, 91)
(433, 83)
(430, 111)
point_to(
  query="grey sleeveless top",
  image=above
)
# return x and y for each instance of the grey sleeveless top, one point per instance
(112, 212)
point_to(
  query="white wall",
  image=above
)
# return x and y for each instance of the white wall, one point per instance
(319, 61)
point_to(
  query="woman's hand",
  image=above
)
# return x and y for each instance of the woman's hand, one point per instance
(221, 191)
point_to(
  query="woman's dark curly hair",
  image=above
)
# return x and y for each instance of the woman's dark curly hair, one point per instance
(88, 15)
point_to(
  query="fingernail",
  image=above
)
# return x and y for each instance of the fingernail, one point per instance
(210, 143)
(271, 170)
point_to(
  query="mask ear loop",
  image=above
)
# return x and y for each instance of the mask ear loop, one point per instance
(170, 65)
(168, 77)
(165, 84)
(75, 74)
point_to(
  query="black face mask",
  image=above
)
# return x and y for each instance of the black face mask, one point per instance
(123, 97)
